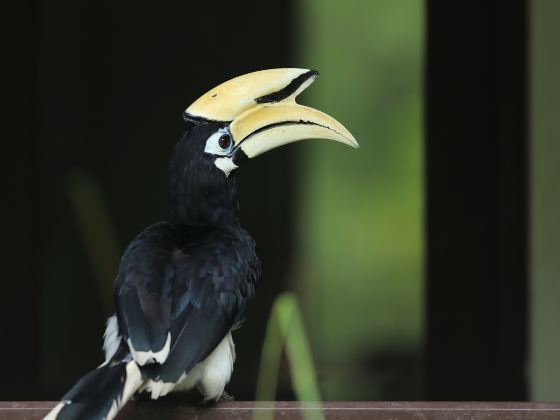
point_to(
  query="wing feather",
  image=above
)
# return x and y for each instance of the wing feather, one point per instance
(190, 286)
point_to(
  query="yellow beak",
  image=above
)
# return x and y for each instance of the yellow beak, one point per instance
(261, 113)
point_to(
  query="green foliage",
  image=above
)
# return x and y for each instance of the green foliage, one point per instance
(98, 234)
(285, 327)
(359, 268)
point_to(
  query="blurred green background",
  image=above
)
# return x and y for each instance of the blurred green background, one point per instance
(358, 265)
(544, 367)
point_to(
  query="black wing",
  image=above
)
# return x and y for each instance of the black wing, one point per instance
(187, 287)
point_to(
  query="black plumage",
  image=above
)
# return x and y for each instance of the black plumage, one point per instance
(196, 284)
(93, 396)
(193, 280)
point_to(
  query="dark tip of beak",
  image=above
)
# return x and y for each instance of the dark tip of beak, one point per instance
(239, 156)
(288, 90)
(191, 118)
(195, 119)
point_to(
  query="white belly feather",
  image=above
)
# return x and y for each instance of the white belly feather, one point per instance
(209, 376)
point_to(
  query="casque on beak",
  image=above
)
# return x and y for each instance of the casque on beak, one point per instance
(260, 112)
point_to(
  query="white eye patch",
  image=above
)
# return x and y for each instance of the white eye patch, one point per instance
(219, 143)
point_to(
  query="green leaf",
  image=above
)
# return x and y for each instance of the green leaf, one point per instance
(285, 327)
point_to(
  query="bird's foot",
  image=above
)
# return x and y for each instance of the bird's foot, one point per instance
(226, 397)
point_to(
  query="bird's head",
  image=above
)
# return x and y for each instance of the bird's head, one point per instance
(236, 121)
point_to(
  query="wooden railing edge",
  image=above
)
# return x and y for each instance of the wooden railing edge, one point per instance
(147, 410)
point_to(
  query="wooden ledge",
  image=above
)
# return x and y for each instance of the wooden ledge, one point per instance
(242, 410)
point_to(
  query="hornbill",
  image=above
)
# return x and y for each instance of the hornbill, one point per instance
(182, 288)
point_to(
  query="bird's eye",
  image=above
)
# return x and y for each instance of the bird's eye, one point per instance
(224, 141)
(219, 143)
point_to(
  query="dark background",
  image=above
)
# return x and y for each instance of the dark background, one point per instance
(104, 88)
(98, 89)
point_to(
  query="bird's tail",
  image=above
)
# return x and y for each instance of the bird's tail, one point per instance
(101, 393)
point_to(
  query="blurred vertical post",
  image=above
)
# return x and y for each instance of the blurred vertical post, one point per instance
(477, 171)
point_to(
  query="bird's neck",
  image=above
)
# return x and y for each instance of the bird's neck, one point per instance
(200, 203)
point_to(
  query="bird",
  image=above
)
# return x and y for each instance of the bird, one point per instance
(181, 288)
